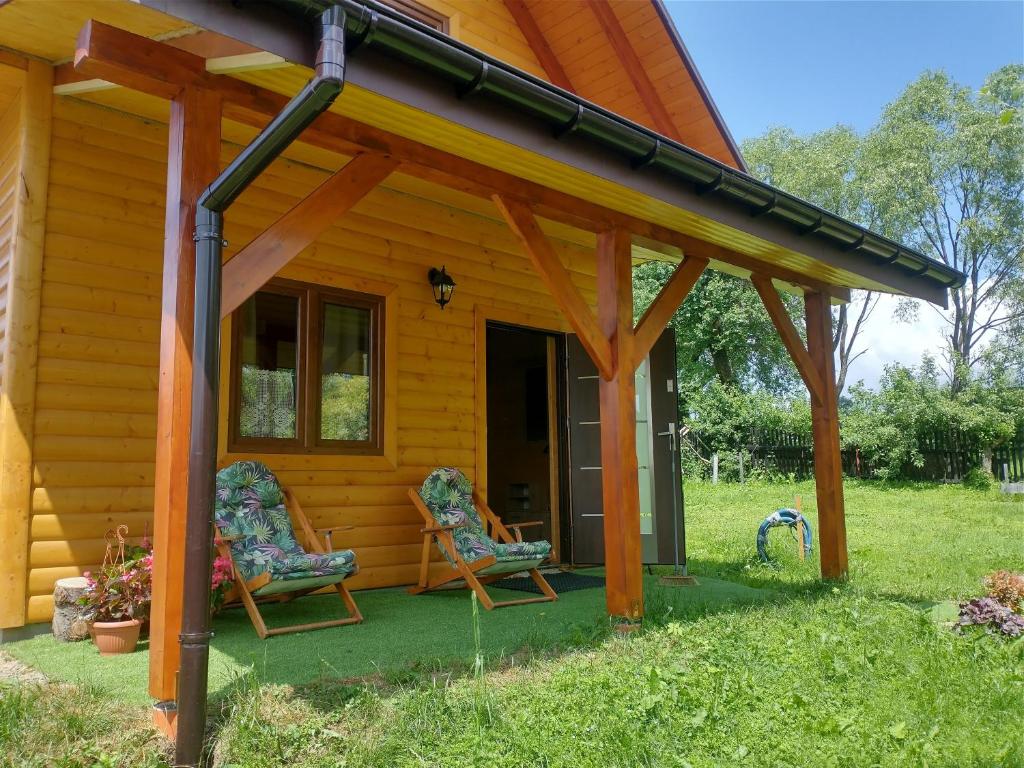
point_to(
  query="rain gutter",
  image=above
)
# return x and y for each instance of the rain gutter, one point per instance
(315, 97)
(373, 26)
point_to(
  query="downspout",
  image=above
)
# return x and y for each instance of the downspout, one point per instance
(315, 97)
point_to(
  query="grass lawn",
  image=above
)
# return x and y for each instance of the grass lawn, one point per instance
(771, 668)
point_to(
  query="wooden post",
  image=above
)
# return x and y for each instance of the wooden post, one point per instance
(828, 466)
(21, 341)
(800, 528)
(619, 478)
(193, 155)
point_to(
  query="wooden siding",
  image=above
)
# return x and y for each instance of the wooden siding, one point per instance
(577, 39)
(96, 397)
(9, 148)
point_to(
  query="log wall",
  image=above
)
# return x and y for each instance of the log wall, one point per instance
(98, 348)
(9, 146)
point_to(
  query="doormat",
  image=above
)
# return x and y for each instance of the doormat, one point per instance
(561, 581)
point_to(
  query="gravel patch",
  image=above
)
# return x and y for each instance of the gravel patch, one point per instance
(13, 671)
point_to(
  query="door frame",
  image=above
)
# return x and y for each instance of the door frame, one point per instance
(549, 324)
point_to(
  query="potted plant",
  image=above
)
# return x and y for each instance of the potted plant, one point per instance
(117, 597)
(222, 581)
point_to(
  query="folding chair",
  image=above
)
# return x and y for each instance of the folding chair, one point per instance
(254, 530)
(454, 517)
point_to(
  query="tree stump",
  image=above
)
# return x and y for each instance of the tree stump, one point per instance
(68, 624)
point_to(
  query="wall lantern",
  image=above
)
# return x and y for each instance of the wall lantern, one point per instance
(442, 284)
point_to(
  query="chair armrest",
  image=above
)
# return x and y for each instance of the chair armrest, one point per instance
(517, 526)
(229, 539)
(328, 531)
(442, 528)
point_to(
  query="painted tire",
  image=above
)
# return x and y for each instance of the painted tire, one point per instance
(787, 517)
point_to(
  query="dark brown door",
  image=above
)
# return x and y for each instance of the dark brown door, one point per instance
(657, 424)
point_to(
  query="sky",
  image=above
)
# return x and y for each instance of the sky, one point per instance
(810, 65)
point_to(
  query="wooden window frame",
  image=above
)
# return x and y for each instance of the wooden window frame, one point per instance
(312, 298)
(420, 13)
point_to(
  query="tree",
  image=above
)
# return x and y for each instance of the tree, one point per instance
(947, 168)
(824, 168)
(722, 333)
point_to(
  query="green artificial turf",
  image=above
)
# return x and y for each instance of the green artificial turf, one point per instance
(401, 635)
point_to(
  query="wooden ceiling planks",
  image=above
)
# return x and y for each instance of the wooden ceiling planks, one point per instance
(575, 33)
(47, 30)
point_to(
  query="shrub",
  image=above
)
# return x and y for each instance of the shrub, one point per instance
(1006, 587)
(978, 479)
(991, 614)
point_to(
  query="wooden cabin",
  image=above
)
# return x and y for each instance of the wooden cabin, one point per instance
(535, 150)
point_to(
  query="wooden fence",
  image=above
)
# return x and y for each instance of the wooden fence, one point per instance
(947, 456)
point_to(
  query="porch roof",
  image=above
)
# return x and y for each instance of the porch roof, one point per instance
(400, 77)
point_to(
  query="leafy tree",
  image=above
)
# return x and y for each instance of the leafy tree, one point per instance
(824, 168)
(945, 166)
(890, 426)
(722, 333)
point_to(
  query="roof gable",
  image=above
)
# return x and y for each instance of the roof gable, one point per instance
(626, 56)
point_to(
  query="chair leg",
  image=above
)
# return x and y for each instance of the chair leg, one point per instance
(254, 613)
(540, 581)
(425, 562)
(481, 591)
(350, 604)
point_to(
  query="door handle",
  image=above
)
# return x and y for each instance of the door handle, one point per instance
(671, 435)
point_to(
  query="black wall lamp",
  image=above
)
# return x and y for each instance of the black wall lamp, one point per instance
(442, 284)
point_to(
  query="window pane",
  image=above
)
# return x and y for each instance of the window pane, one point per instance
(345, 374)
(269, 357)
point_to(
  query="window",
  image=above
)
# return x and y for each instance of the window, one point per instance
(421, 13)
(306, 373)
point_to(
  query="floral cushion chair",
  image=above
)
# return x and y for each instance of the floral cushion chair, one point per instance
(457, 520)
(254, 529)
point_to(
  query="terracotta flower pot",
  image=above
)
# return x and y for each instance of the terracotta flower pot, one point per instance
(113, 637)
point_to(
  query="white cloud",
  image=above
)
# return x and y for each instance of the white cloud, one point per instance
(890, 341)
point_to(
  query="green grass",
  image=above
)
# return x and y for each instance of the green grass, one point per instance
(790, 673)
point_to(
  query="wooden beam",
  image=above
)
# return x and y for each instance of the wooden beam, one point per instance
(790, 336)
(828, 465)
(555, 276)
(21, 341)
(193, 155)
(299, 228)
(103, 53)
(100, 53)
(12, 59)
(538, 43)
(634, 68)
(620, 486)
(665, 304)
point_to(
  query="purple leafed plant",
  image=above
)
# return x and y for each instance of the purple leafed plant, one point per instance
(990, 613)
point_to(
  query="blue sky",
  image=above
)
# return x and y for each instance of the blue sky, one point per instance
(810, 65)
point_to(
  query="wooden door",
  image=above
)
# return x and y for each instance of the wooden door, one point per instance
(657, 439)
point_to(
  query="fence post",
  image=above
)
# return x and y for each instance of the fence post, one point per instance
(714, 468)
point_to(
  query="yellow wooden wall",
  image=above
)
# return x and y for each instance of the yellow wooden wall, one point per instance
(8, 175)
(98, 349)
(488, 25)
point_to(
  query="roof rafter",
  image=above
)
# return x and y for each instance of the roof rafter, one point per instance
(539, 44)
(634, 68)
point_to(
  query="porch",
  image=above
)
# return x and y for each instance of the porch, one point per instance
(404, 637)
